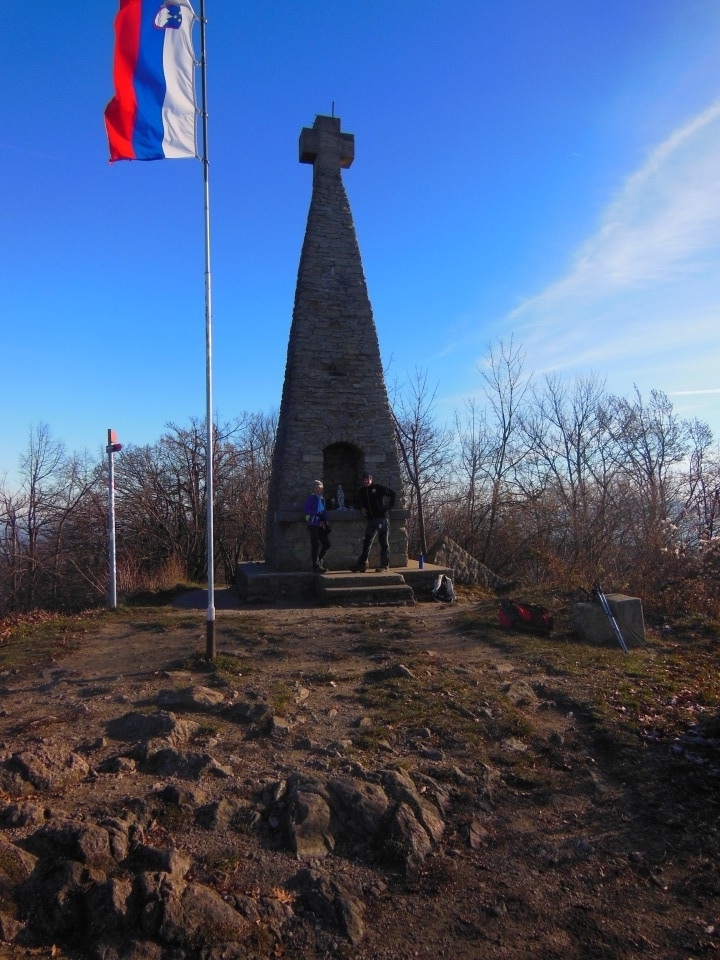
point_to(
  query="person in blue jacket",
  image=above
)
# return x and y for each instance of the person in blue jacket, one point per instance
(318, 527)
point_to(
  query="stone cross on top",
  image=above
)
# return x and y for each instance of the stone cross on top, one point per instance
(323, 144)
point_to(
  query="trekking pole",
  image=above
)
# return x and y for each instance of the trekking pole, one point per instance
(611, 617)
(634, 635)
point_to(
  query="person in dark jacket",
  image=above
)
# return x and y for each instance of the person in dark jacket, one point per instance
(375, 501)
(316, 520)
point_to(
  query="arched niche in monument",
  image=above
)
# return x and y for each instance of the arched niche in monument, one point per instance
(342, 466)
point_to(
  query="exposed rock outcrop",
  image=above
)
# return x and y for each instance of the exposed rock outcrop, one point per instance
(374, 815)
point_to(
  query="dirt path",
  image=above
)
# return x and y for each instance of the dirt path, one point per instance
(547, 850)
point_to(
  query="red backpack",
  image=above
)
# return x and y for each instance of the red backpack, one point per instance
(531, 617)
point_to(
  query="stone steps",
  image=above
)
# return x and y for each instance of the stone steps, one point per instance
(258, 583)
(364, 589)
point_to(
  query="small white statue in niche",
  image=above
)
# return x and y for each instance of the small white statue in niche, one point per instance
(340, 497)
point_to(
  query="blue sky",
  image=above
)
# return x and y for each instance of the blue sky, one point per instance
(543, 168)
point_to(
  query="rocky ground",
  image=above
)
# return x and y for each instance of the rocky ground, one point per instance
(367, 783)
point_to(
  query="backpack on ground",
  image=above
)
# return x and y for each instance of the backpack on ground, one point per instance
(531, 617)
(443, 590)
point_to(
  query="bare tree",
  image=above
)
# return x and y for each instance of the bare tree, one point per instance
(651, 441)
(40, 491)
(700, 515)
(160, 502)
(10, 550)
(475, 455)
(423, 446)
(243, 474)
(35, 520)
(505, 388)
(149, 510)
(569, 469)
(161, 497)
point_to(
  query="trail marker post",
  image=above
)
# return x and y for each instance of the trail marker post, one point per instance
(112, 448)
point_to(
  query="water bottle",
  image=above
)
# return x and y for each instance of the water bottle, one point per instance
(421, 561)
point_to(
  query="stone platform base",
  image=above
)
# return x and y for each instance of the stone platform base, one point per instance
(593, 623)
(400, 586)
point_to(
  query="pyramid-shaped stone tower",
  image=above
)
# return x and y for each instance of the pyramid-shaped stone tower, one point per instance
(335, 422)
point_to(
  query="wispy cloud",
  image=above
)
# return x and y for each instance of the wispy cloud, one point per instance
(646, 285)
(694, 393)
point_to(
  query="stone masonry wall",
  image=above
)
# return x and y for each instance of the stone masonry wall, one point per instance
(465, 568)
(334, 390)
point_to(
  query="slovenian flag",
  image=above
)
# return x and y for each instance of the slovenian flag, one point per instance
(153, 113)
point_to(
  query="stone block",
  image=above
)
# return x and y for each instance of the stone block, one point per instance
(257, 583)
(592, 622)
(346, 538)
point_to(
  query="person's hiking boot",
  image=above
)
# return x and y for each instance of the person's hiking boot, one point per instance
(319, 568)
(381, 569)
(359, 568)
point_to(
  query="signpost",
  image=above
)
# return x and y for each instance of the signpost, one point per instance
(112, 448)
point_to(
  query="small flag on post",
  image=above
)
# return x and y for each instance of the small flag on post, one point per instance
(153, 113)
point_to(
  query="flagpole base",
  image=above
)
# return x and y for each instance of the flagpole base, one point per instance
(210, 646)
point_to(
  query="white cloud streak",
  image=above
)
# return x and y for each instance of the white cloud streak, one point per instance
(646, 285)
(694, 393)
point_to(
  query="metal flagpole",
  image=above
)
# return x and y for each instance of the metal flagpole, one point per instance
(112, 590)
(210, 649)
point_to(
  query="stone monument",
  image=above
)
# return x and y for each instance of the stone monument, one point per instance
(335, 422)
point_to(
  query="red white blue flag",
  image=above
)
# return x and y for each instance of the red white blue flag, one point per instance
(153, 113)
